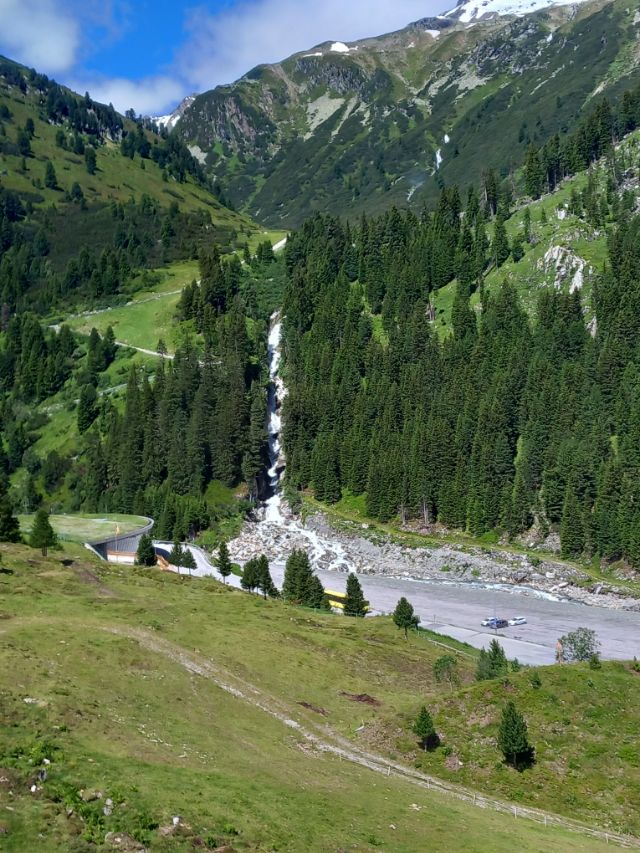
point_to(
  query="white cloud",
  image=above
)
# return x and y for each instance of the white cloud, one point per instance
(52, 36)
(39, 33)
(148, 96)
(224, 46)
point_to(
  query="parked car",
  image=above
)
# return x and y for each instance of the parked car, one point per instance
(494, 622)
(518, 620)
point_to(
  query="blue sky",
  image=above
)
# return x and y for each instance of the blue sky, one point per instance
(148, 55)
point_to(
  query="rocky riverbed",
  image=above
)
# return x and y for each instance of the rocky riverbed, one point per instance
(356, 549)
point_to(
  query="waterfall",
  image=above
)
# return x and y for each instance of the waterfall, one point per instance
(275, 394)
(279, 531)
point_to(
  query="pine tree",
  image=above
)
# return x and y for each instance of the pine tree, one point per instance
(424, 728)
(43, 535)
(500, 246)
(90, 159)
(188, 560)
(404, 617)
(176, 556)
(9, 526)
(354, 604)
(223, 561)
(296, 571)
(571, 527)
(513, 738)
(50, 178)
(146, 553)
(250, 575)
(265, 582)
(87, 408)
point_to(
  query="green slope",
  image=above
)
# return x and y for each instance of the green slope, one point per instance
(119, 688)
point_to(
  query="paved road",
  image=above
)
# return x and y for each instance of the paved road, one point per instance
(456, 610)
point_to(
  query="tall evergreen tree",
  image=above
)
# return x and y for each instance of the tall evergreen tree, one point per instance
(424, 728)
(9, 526)
(223, 561)
(404, 617)
(146, 553)
(354, 604)
(42, 535)
(513, 738)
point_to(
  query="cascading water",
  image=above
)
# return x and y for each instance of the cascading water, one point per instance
(273, 505)
(280, 532)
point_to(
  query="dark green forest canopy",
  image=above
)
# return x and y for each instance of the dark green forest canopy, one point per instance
(509, 421)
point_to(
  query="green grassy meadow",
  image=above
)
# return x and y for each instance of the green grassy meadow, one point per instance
(171, 697)
(85, 527)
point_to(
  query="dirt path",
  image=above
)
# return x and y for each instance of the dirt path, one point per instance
(323, 739)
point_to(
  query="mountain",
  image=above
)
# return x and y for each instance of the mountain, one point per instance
(356, 127)
(79, 176)
(171, 119)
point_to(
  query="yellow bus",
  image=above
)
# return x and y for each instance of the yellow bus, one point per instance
(337, 599)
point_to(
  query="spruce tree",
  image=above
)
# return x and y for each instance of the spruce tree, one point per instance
(9, 526)
(250, 575)
(404, 617)
(424, 728)
(146, 554)
(43, 535)
(296, 571)
(223, 561)
(50, 178)
(176, 556)
(87, 408)
(513, 738)
(188, 560)
(354, 604)
(571, 527)
(500, 246)
(265, 582)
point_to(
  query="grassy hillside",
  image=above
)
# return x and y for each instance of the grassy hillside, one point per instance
(84, 527)
(116, 178)
(152, 697)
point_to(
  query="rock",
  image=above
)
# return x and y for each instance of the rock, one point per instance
(123, 841)
(90, 796)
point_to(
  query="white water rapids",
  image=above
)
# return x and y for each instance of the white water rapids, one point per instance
(279, 531)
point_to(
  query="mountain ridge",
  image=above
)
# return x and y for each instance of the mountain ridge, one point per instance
(357, 126)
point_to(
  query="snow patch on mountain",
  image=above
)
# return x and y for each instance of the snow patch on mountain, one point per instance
(433, 33)
(171, 119)
(341, 47)
(472, 11)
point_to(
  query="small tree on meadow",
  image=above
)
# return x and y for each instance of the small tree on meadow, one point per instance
(513, 738)
(404, 617)
(446, 669)
(579, 645)
(43, 535)
(50, 178)
(425, 730)
(264, 580)
(176, 557)
(249, 579)
(146, 553)
(492, 663)
(223, 561)
(189, 561)
(354, 604)
(9, 526)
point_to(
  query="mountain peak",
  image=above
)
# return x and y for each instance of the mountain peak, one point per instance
(473, 11)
